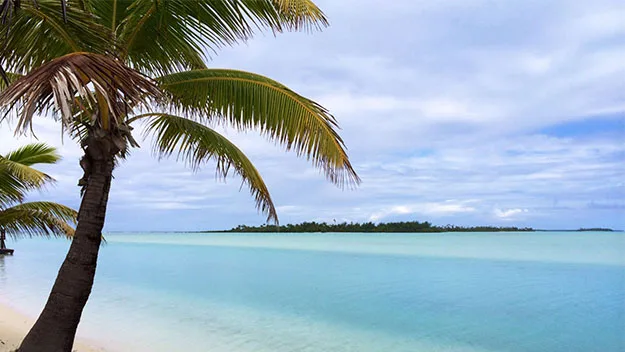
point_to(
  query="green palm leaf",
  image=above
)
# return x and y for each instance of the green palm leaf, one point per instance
(11, 189)
(111, 13)
(295, 14)
(38, 219)
(164, 36)
(168, 36)
(197, 144)
(38, 34)
(8, 7)
(34, 153)
(56, 210)
(16, 174)
(247, 100)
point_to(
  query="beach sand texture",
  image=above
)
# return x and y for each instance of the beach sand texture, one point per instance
(14, 326)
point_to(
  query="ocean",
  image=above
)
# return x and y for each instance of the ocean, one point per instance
(452, 292)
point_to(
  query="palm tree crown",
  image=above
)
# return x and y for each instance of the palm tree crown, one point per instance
(159, 67)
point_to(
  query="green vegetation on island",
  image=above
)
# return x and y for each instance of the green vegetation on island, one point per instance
(404, 226)
(596, 229)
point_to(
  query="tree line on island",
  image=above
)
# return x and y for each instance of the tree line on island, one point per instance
(403, 226)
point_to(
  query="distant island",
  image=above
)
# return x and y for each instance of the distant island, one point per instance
(396, 227)
(404, 226)
(595, 229)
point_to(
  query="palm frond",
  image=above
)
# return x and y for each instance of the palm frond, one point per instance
(168, 36)
(11, 189)
(7, 7)
(34, 153)
(196, 144)
(38, 219)
(37, 34)
(80, 81)
(17, 179)
(59, 211)
(111, 13)
(16, 174)
(291, 15)
(7, 10)
(247, 101)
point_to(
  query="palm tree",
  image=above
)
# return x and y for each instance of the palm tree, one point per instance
(17, 177)
(115, 64)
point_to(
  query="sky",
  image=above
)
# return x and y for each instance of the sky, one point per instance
(466, 112)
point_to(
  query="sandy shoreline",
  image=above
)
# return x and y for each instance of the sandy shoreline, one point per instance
(14, 326)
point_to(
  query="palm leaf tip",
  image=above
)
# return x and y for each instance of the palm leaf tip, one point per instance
(249, 101)
(78, 81)
(301, 15)
(34, 153)
(197, 144)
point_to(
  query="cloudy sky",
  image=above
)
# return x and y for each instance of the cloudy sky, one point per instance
(454, 111)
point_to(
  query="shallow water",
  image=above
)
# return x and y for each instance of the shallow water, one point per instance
(342, 292)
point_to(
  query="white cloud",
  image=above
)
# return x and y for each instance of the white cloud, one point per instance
(449, 207)
(508, 213)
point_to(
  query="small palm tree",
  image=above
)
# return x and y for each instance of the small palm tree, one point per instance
(118, 63)
(17, 177)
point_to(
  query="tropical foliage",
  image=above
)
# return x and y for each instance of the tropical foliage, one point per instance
(18, 177)
(401, 226)
(106, 66)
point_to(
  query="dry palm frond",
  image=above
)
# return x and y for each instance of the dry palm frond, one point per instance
(96, 83)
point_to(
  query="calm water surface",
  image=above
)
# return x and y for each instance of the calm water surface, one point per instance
(516, 292)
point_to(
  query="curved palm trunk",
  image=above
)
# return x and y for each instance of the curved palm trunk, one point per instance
(56, 327)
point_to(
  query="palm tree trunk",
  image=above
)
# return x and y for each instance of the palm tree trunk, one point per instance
(3, 237)
(56, 327)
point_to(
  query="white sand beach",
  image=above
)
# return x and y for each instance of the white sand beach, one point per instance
(14, 326)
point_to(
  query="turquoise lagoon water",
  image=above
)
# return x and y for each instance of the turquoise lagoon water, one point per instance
(468, 292)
